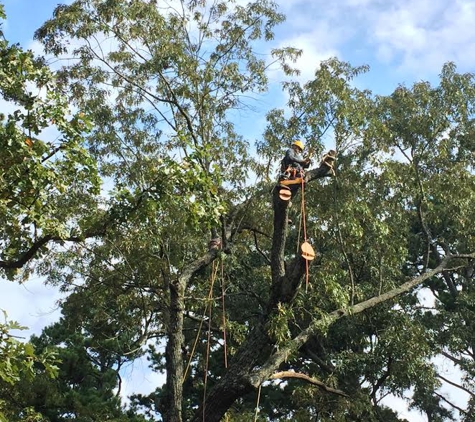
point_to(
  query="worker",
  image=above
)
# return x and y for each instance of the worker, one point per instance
(293, 163)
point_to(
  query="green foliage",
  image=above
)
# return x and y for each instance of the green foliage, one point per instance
(45, 185)
(88, 380)
(21, 364)
(159, 89)
(399, 203)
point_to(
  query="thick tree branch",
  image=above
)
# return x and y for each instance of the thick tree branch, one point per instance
(96, 230)
(320, 384)
(274, 361)
(325, 169)
(452, 358)
(27, 255)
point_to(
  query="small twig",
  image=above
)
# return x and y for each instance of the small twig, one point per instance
(259, 249)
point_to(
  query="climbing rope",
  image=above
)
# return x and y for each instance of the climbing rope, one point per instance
(208, 347)
(257, 404)
(224, 316)
(208, 309)
(304, 225)
(208, 303)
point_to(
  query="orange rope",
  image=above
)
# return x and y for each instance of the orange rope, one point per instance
(257, 404)
(210, 295)
(304, 231)
(303, 212)
(207, 361)
(224, 316)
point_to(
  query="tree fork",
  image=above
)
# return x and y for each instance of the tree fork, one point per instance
(258, 348)
(175, 343)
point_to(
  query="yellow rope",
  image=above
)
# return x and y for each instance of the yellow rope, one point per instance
(257, 404)
(224, 316)
(208, 303)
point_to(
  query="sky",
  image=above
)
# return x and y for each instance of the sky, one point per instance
(403, 42)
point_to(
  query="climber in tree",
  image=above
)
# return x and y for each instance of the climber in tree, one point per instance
(293, 163)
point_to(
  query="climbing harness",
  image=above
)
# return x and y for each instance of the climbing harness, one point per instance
(288, 181)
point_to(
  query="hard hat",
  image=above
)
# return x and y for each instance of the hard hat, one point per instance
(298, 144)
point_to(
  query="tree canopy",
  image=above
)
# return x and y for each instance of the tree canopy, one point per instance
(185, 259)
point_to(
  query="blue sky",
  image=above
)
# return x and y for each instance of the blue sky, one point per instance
(403, 41)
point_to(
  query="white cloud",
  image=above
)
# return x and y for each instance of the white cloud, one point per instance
(410, 38)
(315, 50)
(32, 304)
(138, 378)
(420, 36)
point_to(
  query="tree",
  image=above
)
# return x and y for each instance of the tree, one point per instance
(46, 185)
(189, 82)
(88, 384)
(385, 226)
(20, 362)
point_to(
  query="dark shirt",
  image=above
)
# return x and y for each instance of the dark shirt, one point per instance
(295, 159)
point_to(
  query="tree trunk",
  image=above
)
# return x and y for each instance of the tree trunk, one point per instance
(172, 406)
(236, 382)
(173, 353)
(258, 347)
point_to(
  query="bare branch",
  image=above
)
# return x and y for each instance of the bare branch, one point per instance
(462, 411)
(456, 385)
(381, 380)
(452, 358)
(320, 384)
(320, 324)
(259, 250)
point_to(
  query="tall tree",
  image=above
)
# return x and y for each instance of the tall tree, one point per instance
(20, 364)
(161, 93)
(160, 83)
(48, 179)
(91, 353)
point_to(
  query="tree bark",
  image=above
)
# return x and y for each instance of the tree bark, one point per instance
(173, 353)
(175, 344)
(236, 382)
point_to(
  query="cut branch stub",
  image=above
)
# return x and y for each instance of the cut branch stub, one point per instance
(285, 193)
(307, 251)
